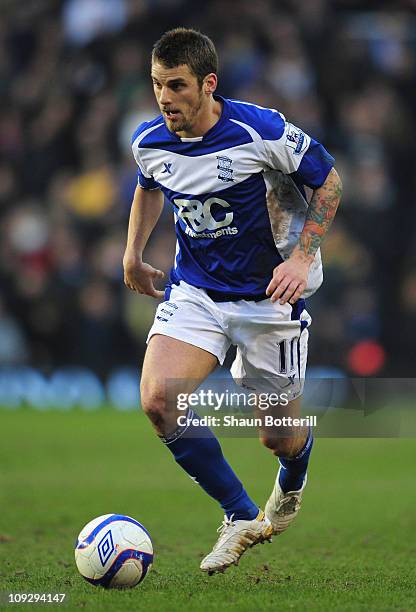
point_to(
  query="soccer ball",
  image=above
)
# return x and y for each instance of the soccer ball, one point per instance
(114, 551)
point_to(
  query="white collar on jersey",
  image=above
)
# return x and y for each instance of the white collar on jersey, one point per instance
(194, 139)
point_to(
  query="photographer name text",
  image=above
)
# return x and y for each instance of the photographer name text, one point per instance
(233, 421)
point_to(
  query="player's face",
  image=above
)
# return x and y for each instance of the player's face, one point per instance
(179, 96)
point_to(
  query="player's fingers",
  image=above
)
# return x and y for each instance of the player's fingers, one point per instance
(296, 296)
(275, 282)
(149, 289)
(157, 294)
(133, 285)
(280, 289)
(271, 287)
(158, 274)
(290, 290)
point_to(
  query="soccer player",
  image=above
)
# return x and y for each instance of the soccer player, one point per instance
(247, 255)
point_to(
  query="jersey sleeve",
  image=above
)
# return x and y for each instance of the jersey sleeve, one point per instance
(146, 182)
(294, 152)
(144, 179)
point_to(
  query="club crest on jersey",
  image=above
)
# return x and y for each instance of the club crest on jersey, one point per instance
(224, 166)
(295, 139)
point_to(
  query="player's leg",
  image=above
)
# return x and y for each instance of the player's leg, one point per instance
(277, 365)
(194, 447)
(171, 367)
(197, 340)
(292, 446)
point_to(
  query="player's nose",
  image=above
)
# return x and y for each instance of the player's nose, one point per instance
(165, 97)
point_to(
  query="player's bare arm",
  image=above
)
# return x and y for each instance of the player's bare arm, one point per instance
(290, 277)
(145, 211)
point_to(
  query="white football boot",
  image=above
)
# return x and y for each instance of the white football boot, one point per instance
(282, 508)
(235, 538)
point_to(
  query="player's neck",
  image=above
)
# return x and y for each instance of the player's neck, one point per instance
(207, 117)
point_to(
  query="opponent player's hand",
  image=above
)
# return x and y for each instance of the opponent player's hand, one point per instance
(289, 279)
(139, 276)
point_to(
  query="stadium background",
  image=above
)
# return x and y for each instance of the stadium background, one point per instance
(74, 81)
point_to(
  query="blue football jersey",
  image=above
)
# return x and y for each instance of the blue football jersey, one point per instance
(237, 195)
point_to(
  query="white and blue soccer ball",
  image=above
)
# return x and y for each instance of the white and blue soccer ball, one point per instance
(114, 551)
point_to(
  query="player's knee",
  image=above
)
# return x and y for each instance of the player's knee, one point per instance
(153, 402)
(281, 447)
(269, 441)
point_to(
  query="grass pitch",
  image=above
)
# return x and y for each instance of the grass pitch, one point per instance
(353, 546)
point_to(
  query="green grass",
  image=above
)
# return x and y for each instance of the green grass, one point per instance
(353, 546)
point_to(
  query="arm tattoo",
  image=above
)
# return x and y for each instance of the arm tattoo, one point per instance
(321, 211)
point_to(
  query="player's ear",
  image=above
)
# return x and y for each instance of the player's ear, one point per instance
(210, 83)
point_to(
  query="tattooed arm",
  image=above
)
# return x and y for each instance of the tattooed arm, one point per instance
(290, 277)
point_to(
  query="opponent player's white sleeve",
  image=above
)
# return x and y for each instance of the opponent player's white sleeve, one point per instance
(297, 154)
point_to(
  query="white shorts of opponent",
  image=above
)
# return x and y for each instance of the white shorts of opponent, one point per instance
(271, 338)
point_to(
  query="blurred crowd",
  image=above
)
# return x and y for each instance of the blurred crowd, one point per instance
(74, 85)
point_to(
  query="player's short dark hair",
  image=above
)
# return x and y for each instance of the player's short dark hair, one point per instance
(186, 46)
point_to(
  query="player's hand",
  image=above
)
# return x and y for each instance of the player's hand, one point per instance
(139, 276)
(289, 279)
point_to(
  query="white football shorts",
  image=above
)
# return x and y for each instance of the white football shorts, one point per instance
(271, 338)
